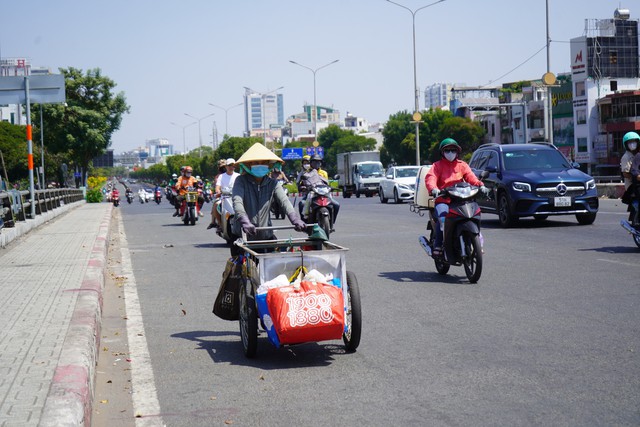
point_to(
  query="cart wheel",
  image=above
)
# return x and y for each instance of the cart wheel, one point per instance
(353, 316)
(248, 319)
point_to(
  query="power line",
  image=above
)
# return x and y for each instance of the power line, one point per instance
(518, 66)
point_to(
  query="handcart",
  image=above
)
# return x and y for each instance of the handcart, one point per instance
(267, 259)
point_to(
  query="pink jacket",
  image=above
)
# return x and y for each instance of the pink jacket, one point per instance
(444, 174)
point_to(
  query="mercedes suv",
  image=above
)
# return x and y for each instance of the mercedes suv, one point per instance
(533, 180)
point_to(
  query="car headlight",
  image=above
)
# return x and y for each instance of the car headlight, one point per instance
(404, 187)
(591, 184)
(521, 186)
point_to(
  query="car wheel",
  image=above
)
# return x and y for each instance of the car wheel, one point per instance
(382, 198)
(586, 219)
(505, 217)
(396, 199)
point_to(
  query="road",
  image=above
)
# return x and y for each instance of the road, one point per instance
(549, 336)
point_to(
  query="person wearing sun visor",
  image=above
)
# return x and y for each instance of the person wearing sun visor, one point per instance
(254, 191)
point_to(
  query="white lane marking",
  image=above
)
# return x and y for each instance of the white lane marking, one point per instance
(146, 406)
(630, 264)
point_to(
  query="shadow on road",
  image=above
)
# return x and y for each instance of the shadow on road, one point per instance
(424, 277)
(226, 347)
(613, 249)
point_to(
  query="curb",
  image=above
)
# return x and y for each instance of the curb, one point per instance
(70, 398)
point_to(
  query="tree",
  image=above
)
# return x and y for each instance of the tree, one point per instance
(13, 147)
(84, 125)
(467, 133)
(235, 147)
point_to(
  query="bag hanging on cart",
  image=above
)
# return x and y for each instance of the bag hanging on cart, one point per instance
(315, 312)
(227, 304)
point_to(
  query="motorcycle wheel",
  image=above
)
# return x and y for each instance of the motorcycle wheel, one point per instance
(323, 222)
(248, 319)
(192, 215)
(353, 315)
(636, 239)
(473, 261)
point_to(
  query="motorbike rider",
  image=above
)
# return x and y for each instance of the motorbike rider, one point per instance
(253, 193)
(447, 171)
(308, 179)
(128, 192)
(224, 180)
(630, 141)
(115, 194)
(185, 181)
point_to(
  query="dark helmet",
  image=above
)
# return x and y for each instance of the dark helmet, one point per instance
(449, 143)
(316, 158)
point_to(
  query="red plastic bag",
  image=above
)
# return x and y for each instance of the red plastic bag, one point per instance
(315, 312)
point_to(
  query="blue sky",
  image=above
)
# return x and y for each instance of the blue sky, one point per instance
(176, 57)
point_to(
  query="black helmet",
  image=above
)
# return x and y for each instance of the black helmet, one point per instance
(316, 157)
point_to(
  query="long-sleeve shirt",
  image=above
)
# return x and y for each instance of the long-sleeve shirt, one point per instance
(253, 199)
(444, 174)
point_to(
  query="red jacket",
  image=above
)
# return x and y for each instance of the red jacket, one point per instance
(444, 174)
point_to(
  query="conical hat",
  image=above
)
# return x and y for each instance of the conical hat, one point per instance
(259, 153)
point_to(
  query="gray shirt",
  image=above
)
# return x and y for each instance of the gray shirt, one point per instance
(253, 200)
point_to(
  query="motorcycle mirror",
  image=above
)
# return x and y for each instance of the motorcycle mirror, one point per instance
(484, 174)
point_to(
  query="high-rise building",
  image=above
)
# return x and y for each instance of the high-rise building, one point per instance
(604, 61)
(263, 113)
(438, 95)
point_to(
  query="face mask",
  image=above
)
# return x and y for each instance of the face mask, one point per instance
(632, 146)
(188, 175)
(306, 166)
(450, 156)
(259, 170)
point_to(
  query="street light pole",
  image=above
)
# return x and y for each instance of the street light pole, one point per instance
(415, 74)
(199, 120)
(314, 115)
(226, 111)
(184, 139)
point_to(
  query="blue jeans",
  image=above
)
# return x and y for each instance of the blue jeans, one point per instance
(440, 211)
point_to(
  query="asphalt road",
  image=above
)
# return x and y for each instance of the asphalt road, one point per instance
(550, 335)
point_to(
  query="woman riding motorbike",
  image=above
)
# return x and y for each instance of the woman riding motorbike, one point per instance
(444, 173)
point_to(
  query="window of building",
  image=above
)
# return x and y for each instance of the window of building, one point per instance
(613, 85)
(493, 129)
(582, 145)
(580, 89)
(581, 117)
(613, 57)
(516, 123)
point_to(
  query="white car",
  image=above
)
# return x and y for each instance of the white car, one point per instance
(398, 184)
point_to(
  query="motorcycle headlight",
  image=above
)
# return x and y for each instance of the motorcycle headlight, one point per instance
(591, 184)
(521, 186)
(323, 191)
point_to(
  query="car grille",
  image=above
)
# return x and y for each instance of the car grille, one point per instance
(572, 189)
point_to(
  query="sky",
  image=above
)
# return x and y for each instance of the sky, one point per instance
(175, 57)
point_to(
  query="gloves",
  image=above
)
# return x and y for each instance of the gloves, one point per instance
(484, 190)
(298, 224)
(435, 192)
(247, 226)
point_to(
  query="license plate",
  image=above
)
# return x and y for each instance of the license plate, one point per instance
(562, 201)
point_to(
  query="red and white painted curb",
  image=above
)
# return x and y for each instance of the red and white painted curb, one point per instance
(70, 398)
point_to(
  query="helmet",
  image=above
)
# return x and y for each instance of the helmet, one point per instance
(198, 177)
(221, 163)
(188, 169)
(629, 136)
(316, 158)
(306, 158)
(174, 175)
(182, 168)
(449, 143)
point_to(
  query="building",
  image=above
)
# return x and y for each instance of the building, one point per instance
(438, 95)
(263, 114)
(481, 104)
(604, 64)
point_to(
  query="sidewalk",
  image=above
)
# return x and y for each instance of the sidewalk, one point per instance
(51, 282)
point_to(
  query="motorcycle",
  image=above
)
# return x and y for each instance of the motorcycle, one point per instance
(129, 198)
(189, 208)
(115, 198)
(158, 196)
(225, 208)
(320, 208)
(208, 195)
(275, 208)
(462, 238)
(633, 225)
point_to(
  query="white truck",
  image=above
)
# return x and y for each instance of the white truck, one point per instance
(359, 172)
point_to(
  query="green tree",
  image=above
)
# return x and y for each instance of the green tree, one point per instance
(13, 146)
(83, 127)
(346, 144)
(234, 147)
(465, 131)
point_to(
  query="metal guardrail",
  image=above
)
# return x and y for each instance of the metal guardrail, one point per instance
(16, 206)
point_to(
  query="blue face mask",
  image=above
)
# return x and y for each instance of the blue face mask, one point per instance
(259, 171)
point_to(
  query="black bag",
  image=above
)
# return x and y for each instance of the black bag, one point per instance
(227, 304)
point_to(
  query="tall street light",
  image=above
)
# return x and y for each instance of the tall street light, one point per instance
(264, 122)
(314, 115)
(184, 140)
(226, 111)
(416, 114)
(199, 128)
